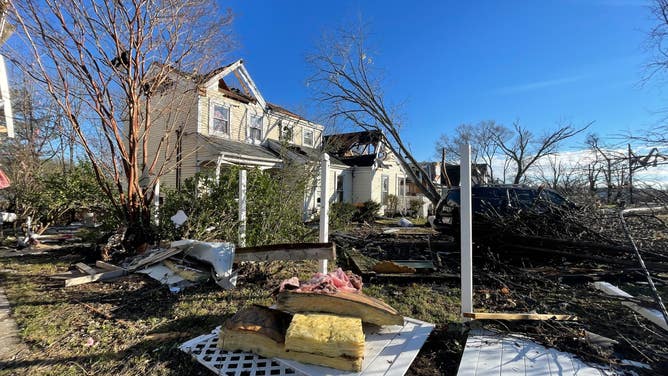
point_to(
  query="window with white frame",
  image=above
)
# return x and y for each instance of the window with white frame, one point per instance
(255, 128)
(287, 131)
(219, 120)
(384, 189)
(402, 187)
(339, 188)
(307, 137)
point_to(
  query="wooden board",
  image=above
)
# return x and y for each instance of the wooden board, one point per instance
(74, 281)
(106, 266)
(369, 309)
(299, 251)
(85, 268)
(153, 258)
(518, 316)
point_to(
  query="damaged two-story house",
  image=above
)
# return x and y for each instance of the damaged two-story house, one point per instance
(202, 123)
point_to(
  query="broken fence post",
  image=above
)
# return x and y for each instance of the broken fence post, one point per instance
(466, 233)
(242, 208)
(324, 208)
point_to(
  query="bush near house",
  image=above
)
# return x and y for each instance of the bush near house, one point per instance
(415, 206)
(341, 215)
(367, 211)
(274, 207)
(392, 205)
(53, 195)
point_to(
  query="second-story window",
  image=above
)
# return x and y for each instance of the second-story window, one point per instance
(255, 128)
(220, 120)
(287, 131)
(308, 137)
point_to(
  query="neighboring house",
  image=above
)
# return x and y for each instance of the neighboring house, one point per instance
(205, 122)
(365, 169)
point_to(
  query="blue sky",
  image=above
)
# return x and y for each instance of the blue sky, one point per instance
(453, 62)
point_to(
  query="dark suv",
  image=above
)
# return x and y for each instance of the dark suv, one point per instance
(494, 201)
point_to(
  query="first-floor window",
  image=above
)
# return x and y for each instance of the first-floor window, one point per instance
(339, 188)
(402, 187)
(255, 126)
(385, 188)
(308, 137)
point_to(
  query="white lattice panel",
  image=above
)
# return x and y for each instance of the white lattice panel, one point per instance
(206, 351)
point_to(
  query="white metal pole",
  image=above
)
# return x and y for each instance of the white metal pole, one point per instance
(6, 101)
(242, 208)
(156, 201)
(466, 233)
(324, 207)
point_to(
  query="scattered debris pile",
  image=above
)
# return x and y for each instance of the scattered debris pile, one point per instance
(323, 326)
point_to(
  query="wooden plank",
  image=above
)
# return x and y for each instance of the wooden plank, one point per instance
(92, 278)
(299, 251)
(106, 266)
(85, 268)
(518, 316)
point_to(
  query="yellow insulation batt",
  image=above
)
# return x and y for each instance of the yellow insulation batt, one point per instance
(262, 331)
(324, 334)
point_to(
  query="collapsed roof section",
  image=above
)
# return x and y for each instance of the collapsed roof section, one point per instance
(357, 148)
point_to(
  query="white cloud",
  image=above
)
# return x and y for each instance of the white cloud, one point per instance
(513, 89)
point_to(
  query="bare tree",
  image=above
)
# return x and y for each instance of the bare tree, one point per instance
(523, 149)
(346, 82)
(112, 57)
(480, 136)
(609, 164)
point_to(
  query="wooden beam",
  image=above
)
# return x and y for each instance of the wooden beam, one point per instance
(519, 316)
(85, 268)
(106, 266)
(95, 277)
(299, 251)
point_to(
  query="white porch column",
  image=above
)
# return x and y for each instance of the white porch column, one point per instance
(242, 208)
(466, 233)
(324, 207)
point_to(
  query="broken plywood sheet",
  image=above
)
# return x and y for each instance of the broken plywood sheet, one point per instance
(488, 353)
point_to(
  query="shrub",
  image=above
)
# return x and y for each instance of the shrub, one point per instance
(392, 205)
(367, 211)
(341, 214)
(415, 206)
(273, 207)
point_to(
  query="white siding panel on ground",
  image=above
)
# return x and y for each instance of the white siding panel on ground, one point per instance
(488, 353)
